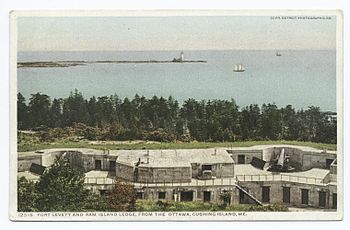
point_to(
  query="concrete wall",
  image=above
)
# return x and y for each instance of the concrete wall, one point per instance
(225, 170)
(97, 188)
(88, 161)
(312, 160)
(270, 153)
(333, 169)
(276, 192)
(24, 162)
(174, 194)
(159, 175)
(249, 154)
(299, 159)
(85, 162)
(124, 171)
(218, 170)
(76, 159)
(49, 158)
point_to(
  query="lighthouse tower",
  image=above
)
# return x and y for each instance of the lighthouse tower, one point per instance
(182, 57)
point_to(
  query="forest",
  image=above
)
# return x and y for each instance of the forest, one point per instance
(165, 120)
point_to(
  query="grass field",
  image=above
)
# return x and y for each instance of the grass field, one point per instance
(23, 147)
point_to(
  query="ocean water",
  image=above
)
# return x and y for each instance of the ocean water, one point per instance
(299, 78)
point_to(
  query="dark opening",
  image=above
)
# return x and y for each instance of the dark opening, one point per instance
(112, 165)
(334, 205)
(206, 196)
(139, 195)
(97, 164)
(161, 195)
(187, 196)
(244, 199)
(265, 194)
(322, 199)
(136, 174)
(206, 167)
(103, 192)
(304, 196)
(328, 163)
(241, 159)
(241, 197)
(286, 195)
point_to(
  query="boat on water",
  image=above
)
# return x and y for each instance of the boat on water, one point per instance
(278, 54)
(239, 68)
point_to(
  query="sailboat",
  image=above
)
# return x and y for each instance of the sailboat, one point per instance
(239, 68)
(278, 54)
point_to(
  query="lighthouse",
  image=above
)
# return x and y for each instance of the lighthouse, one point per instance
(182, 57)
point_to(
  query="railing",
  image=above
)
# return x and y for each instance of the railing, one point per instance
(212, 182)
(177, 183)
(99, 180)
(280, 177)
(192, 183)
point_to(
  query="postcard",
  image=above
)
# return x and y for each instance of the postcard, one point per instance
(176, 115)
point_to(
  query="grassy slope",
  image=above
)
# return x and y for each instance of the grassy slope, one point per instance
(170, 145)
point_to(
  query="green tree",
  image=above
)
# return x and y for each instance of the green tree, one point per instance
(122, 197)
(27, 195)
(105, 110)
(249, 121)
(39, 110)
(75, 109)
(93, 111)
(22, 112)
(290, 123)
(313, 120)
(270, 122)
(61, 188)
(55, 119)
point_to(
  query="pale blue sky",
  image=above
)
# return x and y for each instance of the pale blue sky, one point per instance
(173, 33)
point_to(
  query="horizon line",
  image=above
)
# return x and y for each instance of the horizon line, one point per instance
(112, 50)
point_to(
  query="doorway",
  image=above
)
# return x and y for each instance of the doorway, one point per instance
(98, 164)
(112, 166)
(334, 199)
(241, 159)
(322, 199)
(305, 196)
(206, 196)
(328, 163)
(265, 194)
(186, 196)
(286, 195)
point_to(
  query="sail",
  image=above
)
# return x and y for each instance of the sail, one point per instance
(281, 158)
(239, 68)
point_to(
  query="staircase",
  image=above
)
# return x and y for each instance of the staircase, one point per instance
(249, 195)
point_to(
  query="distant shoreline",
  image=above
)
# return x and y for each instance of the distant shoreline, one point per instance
(51, 64)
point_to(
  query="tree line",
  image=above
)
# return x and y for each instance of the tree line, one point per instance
(164, 119)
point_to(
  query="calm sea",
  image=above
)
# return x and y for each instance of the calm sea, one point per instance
(299, 78)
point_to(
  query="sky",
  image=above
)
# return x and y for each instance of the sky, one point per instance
(174, 33)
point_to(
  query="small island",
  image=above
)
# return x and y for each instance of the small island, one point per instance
(53, 64)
